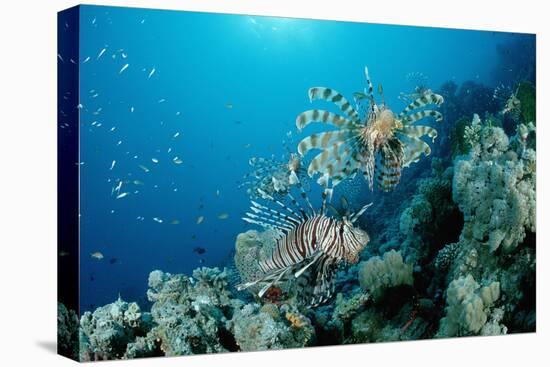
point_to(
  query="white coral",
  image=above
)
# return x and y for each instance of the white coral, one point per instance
(377, 274)
(468, 306)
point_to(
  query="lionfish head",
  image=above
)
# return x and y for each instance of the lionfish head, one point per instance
(294, 162)
(355, 241)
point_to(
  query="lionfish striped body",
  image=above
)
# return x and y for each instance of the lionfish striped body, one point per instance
(379, 144)
(309, 244)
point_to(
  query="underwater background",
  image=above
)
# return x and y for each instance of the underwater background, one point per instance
(176, 109)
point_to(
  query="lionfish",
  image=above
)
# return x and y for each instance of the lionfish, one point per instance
(309, 244)
(508, 99)
(273, 175)
(379, 144)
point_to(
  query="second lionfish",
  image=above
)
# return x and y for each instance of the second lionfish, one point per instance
(376, 142)
(309, 245)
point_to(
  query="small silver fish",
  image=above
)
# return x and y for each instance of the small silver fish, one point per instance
(97, 255)
(101, 53)
(122, 195)
(123, 68)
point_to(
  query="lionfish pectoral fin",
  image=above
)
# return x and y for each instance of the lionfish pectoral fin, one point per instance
(277, 277)
(304, 268)
(324, 286)
(243, 286)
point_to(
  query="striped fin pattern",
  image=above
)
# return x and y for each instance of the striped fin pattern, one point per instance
(414, 148)
(419, 115)
(326, 117)
(419, 131)
(324, 282)
(369, 83)
(430, 98)
(389, 162)
(333, 96)
(379, 155)
(332, 159)
(324, 140)
(309, 246)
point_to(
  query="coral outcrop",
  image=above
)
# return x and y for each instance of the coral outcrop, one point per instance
(495, 189)
(468, 307)
(190, 312)
(379, 273)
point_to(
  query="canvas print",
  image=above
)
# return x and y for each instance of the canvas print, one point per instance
(233, 183)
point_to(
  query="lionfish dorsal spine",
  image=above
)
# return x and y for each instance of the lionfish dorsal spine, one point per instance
(303, 193)
(266, 196)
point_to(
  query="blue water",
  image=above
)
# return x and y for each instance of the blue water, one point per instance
(204, 64)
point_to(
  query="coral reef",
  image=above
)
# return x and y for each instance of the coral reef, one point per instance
(190, 312)
(495, 189)
(458, 258)
(432, 218)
